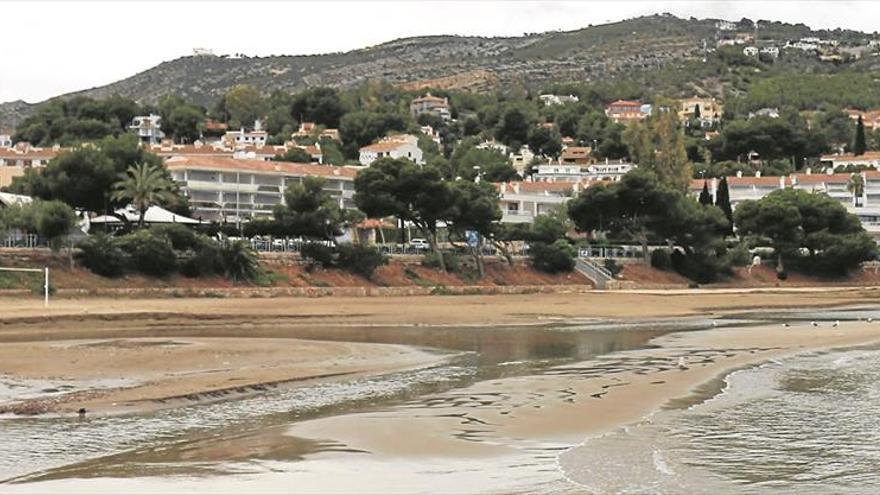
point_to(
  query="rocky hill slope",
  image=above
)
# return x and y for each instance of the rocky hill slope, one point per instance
(635, 46)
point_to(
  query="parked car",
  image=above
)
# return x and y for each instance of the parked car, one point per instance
(419, 244)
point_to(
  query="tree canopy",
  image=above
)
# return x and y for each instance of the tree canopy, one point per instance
(810, 232)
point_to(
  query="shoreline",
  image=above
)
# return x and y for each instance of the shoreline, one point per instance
(181, 352)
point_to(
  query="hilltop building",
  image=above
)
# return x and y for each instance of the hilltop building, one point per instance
(710, 110)
(256, 137)
(396, 146)
(430, 104)
(148, 128)
(627, 111)
(550, 100)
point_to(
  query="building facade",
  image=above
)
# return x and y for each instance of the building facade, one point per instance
(228, 189)
(148, 128)
(397, 146)
(430, 104)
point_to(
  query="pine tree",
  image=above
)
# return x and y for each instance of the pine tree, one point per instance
(722, 200)
(859, 146)
(705, 197)
(697, 112)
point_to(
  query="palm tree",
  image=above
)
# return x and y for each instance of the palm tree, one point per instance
(143, 185)
(856, 186)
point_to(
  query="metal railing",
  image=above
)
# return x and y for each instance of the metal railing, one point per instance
(19, 240)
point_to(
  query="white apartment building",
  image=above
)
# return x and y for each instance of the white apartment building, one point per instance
(396, 146)
(550, 100)
(566, 172)
(231, 189)
(148, 128)
(521, 202)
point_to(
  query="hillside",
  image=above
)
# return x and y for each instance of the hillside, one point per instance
(631, 49)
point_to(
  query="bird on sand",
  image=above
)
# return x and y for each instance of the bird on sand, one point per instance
(786, 325)
(682, 364)
(836, 323)
(814, 324)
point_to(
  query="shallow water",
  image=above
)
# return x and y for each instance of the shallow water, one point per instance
(809, 424)
(146, 444)
(708, 443)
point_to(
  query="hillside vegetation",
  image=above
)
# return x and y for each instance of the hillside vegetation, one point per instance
(658, 53)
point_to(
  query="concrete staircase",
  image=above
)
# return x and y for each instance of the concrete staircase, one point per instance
(601, 278)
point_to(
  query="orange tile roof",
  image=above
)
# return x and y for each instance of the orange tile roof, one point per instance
(384, 146)
(868, 155)
(259, 166)
(30, 153)
(755, 181)
(625, 103)
(820, 178)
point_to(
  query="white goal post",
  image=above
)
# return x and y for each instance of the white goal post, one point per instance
(44, 271)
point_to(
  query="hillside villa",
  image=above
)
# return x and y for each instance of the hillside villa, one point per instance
(307, 129)
(627, 111)
(5, 138)
(870, 118)
(430, 104)
(395, 146)
(255, 137)
(711, 110)
(148, 128)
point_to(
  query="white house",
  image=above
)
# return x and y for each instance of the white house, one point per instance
(868, 159)
(256, 137)
(5, 138)
(521, 202)
(750, 51)
(549, 100)
(431, 104)
(148, 128)
(396, 146)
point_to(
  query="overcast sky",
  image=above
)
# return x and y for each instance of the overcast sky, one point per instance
(50, 48)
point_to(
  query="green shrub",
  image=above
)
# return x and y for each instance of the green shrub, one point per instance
(239, 261)
(205, 261)
(661, 259)
(181, 237)
(359, 259)
(431, 260)
(149, 253)
(739, 255)
(318, 254)
(612, 266)
(552, 258)
(101, 254)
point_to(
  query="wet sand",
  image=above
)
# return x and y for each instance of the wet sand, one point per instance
(517, 434)
(127, 355)
(139, 374)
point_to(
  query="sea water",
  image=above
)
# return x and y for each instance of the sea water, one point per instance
(808, 424)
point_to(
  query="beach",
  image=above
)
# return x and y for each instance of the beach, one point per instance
(514, 426)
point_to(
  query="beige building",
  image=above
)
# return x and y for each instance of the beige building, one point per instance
(711, 110)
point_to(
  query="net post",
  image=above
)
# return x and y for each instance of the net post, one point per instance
(46, 288)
